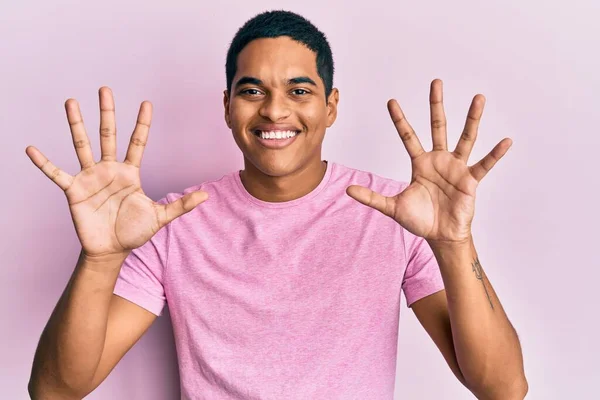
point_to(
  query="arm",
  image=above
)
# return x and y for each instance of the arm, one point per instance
(432, 313)
(88, 333)
(439, 205)
(469, 326)
(90, 328)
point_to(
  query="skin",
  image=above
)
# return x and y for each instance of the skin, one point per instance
(466, 320)
(91, 329)
(277, 175)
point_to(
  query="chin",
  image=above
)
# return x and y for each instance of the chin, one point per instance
(277, 166)
(275, 162)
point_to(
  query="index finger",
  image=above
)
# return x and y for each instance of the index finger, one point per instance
(407, 134)
(80, 138)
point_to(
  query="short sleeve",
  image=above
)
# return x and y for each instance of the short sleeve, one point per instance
(422, 276)
(141, 277)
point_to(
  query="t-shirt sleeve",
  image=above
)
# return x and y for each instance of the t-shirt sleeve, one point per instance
(141, 277)
(422, 275)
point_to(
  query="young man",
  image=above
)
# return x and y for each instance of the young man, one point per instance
(283, 280)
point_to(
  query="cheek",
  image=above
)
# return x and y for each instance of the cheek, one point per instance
(315, 118)
(240, 114)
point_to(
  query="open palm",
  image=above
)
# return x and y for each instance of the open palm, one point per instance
(110, 211)
(439, 203)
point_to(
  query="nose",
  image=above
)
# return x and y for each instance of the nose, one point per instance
(275, 107)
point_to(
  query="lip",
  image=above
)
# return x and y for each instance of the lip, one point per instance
(275, 143)
(276, 127)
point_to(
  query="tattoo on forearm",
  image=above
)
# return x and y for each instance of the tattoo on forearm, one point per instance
(479, 275)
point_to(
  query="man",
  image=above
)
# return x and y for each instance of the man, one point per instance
(283, 280)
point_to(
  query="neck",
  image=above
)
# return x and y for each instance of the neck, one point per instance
(277, 189)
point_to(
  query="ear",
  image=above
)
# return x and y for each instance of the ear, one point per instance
(226, 106)
(332, 103)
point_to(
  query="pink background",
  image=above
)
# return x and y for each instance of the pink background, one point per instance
(536, 226)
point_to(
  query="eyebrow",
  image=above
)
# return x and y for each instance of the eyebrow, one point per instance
(301, 79)
(293, 81)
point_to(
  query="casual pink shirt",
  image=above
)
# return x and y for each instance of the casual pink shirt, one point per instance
(290, 300)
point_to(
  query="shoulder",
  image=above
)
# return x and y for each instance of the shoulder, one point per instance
(378, 183)
(212, 187)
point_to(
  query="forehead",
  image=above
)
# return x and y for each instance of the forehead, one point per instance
(276, 59)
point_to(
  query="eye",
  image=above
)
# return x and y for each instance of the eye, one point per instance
(300, 92)
(251, 92)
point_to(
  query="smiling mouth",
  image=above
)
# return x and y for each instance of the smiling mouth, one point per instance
(274, 135)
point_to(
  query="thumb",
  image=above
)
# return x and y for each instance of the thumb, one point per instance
(372, 199)
(181, 206)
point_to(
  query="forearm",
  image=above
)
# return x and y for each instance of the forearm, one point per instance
(72, 342)
(487, 347)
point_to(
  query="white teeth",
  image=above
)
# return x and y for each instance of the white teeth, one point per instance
(277, 134)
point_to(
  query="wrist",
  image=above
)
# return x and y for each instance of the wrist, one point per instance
(457, 245)
(454, 253)
(102, 262)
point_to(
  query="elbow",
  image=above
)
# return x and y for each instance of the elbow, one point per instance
(521, 389)
(38, 390)
(497, 381)
(31, 391)
(515, 390)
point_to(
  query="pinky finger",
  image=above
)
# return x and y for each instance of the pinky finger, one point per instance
(480, 170)
(56, 175)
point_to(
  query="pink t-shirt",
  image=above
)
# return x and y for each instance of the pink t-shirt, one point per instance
(291, 300)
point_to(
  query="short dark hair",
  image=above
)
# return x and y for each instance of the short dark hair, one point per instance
(272, 24)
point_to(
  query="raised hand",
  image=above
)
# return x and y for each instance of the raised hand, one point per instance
(439, 203)
(111, 213)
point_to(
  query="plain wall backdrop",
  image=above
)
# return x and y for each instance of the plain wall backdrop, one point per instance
(536, 222)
